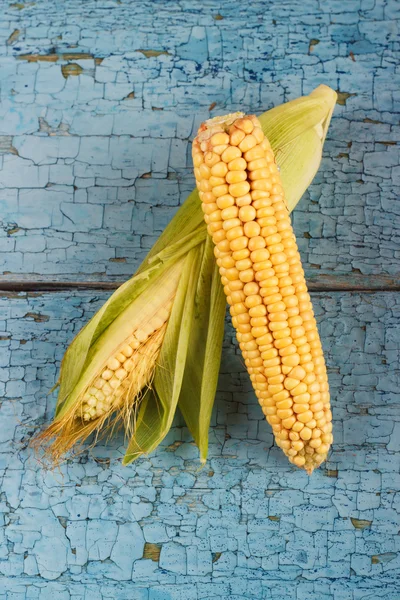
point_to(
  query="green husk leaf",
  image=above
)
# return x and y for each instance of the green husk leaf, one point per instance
(170, 365)
(299, 163)
(188, 218)
(297, 131)
(204, 354)
(78, 358)
(140, 309)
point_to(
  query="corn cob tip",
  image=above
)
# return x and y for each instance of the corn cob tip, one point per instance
(256, 251)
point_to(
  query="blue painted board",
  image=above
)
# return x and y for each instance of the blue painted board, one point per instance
(100, 100)
(247, 525)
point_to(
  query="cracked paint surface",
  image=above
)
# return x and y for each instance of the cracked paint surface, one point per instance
(248, 525)
(100, 100)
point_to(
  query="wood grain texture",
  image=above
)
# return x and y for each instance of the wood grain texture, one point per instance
(99, 106)
(248, 524)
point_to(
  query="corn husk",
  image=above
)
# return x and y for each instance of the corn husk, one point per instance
(183, 369)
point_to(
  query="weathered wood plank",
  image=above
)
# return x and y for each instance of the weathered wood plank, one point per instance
(98, 109)
(316, 283)
(247, 524)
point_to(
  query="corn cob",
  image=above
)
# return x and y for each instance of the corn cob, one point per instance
(256, 251)
(106, 392)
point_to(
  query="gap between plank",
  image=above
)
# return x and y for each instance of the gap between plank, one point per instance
(316, 283)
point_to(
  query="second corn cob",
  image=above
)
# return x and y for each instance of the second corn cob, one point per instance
(256, 251)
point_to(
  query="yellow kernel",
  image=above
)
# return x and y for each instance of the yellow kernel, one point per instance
(302, 398)
(283, 343)
(251, 288)
(276, 307)
(220, 190)
(323, 449)
(245, 125)
(258, 134)
(243, 200)
(298, 426)
(258, 311)
(284, 413)
(306, 433)
(219, 138)
(256, 243)
(307, 358)
(121, 374)
(253, 300)
(297, 445)
(258, 163)
(234, 233)
(299, 461)
(220, 149)
(231, 153)
(239, 189)
(305, 417)
(236, 136)
(259, 174)
(247, 213)
(282, 333)
(256, 152)
(272, 362)
(113, 364)
(107, 374)
(300, 408)
(327, 438)
(127, 351)
(219, 170)
(259, 331)
(240, 254)
(290, 383)
(229, 213)
(299, 389)
(197, 159)
(278, 258)
(246, 276)
(239, 243)
(236, 176)
(279, 316)
(243, 318)
(282, 395)
(277, 326)
(243, 265)
(261, 184)
(289, 422)
(266, 340)
(225, 201)
(238, 164)
(298, 373)
(215, 217)
(258, 321)
(251, 229)
(274, 389)
(215, 181)
(271, 371)
(260, 255)
(247, 143)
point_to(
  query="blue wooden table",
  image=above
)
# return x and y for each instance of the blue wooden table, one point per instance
(99, 102)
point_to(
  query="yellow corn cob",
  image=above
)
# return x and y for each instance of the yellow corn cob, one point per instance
(115, 381)
(256, 251)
